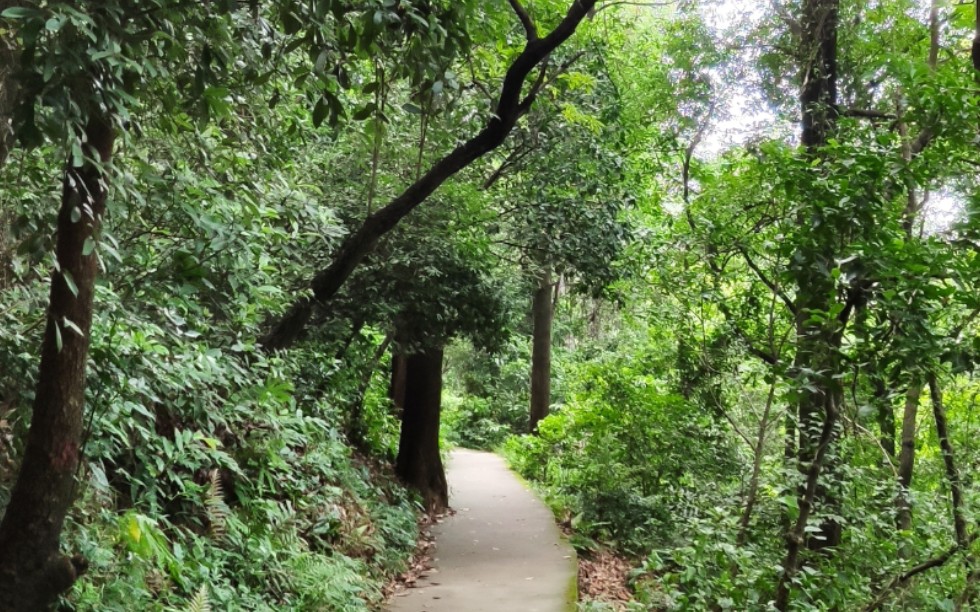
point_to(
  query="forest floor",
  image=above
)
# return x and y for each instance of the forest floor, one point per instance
(500, 552)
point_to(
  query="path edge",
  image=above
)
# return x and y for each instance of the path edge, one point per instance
(571, 593)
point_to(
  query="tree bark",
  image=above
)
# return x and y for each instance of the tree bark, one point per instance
(817, 360)
(8, 87)
(419, 464)
(511, 106)
(885, 413)
(906, 457)
(952, 474)
(542, 315)
(976, 40)
(396, 388)
(33, 572)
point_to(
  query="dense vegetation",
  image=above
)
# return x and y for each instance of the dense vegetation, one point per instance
(706, 273)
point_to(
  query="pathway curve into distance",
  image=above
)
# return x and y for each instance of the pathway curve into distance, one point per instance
(500, 552)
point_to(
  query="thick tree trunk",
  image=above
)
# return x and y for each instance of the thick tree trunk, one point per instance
(33, 572)
(817, 360)
(396, 387)
(906, 457)
(419, 464)
(542, 314)
(511, 106)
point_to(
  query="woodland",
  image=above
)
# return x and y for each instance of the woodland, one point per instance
(706, 272)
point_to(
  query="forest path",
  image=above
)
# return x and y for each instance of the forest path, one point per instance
(500, 552)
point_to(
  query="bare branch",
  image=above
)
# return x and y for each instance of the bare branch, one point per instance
(766, 280)
(631, 3)
(904, 578)
(864, 113)
(529, 28)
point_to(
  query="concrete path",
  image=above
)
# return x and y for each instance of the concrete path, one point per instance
(501, 552)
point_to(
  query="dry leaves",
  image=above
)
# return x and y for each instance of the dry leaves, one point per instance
(603, 576)
(420, 565)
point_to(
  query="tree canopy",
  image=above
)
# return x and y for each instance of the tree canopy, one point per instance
(705, 272)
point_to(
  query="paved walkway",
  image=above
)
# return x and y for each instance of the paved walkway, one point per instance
(501, 552)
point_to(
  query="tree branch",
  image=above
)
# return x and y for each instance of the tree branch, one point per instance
(766, 281)
(510, 107)
(904, 578)
(529, 28)
(863, 113)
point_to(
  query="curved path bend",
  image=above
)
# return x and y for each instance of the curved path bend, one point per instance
(500, 552)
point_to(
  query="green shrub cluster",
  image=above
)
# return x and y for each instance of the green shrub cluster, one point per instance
(255, 500)
(629, 460)
(215, 474)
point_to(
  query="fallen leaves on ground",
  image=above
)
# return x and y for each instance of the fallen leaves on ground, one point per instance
(603, 576)
(420, 564)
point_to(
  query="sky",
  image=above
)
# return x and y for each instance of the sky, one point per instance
(750, 117)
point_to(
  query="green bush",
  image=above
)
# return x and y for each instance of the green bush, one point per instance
(472, 422)
(628, 457)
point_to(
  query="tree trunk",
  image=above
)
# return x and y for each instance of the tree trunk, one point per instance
(396, 388)
(976, 40)
(885, 413)
(512, 104)
(8, 87)
(542, 315)
(758, 454)
(33, 572)
(419, 464)
(906, 457)
(356, 427)
(952, 474)
(817, 360)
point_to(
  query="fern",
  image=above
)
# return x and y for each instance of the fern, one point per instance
(214, 503)
(200, 602)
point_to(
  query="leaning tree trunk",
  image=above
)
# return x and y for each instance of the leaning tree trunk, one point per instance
(542, 315)
(33, 572)
(513, 102)
(419, 464)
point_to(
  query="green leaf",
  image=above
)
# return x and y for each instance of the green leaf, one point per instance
(77, 158)
(320, 112)
(88, 246)
(69, 324)
(20, 12)
(365, 112)
(70, 281)
(57, 337)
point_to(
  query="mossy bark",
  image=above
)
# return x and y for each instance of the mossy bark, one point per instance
(33, 572)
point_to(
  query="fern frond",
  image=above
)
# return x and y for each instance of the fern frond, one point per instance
(214, 503)
(201, 602)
